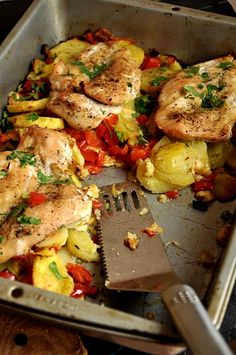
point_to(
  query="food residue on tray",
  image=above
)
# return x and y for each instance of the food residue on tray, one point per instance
(131, 241)
(153, 229)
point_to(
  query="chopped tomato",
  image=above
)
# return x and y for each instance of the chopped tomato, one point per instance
(96, 204)
(117, 151)
(142, 118)
(171, 59)
(149, 232)
(151, 62)
(205, 184)
(89, 155)
(7, 275)
(89, 37)
(139, 152)
(81, 290)
(36, 198)
(79, 273)
(92, 139)
(4, 137)
(172, 194)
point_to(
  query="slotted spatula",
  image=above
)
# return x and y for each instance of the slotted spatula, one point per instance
(125, 217)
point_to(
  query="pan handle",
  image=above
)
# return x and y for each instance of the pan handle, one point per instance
(193, 322)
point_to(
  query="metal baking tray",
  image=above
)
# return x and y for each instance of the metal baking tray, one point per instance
(191, 36)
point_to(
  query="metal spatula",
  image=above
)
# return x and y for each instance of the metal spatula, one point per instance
(136, 261)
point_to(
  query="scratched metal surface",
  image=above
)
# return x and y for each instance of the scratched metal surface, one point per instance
(187, 231)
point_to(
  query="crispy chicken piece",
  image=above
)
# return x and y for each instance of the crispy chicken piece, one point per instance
(80, 111)
(65, 204)
(200, 102)
(117, 84)
(65, 77)
(51, 147)
(39, 149)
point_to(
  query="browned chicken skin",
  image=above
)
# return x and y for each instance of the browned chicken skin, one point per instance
(200, 102)
(65, 204)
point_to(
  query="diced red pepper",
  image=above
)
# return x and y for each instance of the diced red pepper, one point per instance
(139, 152)
(205, 184)
(149, 232)
(96, 204)
(7, 275)
(36, 198)
(4, 137)
(79, 273)
(81, 290)
(172, 194)
(171, 59)
(89, 37)
(142, 118)
(117, 151)
(151, 62)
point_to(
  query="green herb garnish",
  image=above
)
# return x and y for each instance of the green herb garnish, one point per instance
(98, 69)
(54, 269)
(210, 100)
(225, 65)
(24, 157)
(44, 179)
(32, 116)
(190, 92)
(5, 124)
(28, 220)
(129, 85)
(1, 238)
(120, 135)
(17, 210)
(191, 71)
(145, 104)
(205, 76)
(158, 80)
(3, 173)
(62, 182)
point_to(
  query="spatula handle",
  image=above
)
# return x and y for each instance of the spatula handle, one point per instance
(193, 322)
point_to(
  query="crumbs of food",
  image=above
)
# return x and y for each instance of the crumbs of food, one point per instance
(162, 198)
(131, 241)
(143, 211)
(115, 193)
(153, 229)
(175, 243)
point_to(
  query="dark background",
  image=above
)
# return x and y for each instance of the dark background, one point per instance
(10, 12)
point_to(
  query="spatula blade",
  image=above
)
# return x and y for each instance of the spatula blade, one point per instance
(146, 268)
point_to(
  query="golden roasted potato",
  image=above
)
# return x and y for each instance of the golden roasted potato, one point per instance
(175, 164)
(67, 50)
(32, 119)
(17, 106)
(58, 238)
(40, 69)
(136, 52)
(49, 273)
(153, 79)
(80, 244)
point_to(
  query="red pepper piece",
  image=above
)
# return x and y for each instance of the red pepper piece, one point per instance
(79, 273)
(7, 275)
(172, 194)
(36, 198)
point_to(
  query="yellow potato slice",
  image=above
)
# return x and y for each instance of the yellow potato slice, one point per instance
(136, 52)
(40, 69)
(67, 50)
(58, 238)
(22, 121)
(81, 245)
(15, 106)
(50, 274)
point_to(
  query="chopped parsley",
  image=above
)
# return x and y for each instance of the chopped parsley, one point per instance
(16, 211)
(144, 104)
(98, 69)
(158, 80)
(190, 92)
(5, 124)
(3, 173)
(120, 135)
(1, 238)
(25, 158)
(205, 76)
(208, 97)
(225, 65)
(62, 181)
(32, 116)
(129, 85)
(28, 220)
(191, 71)
(54, 269)
(44, 179)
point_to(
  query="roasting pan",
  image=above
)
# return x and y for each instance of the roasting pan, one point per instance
(191, 36)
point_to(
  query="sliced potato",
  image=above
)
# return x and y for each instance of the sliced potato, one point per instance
(81, 245)
(145, 175)
(153, 79)
(67, 50)
(15, 106)
(49, 273)
(175, 164)
(136, 52)
(127, 127)
(57, 238)
(23, 120)
(66, 256)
